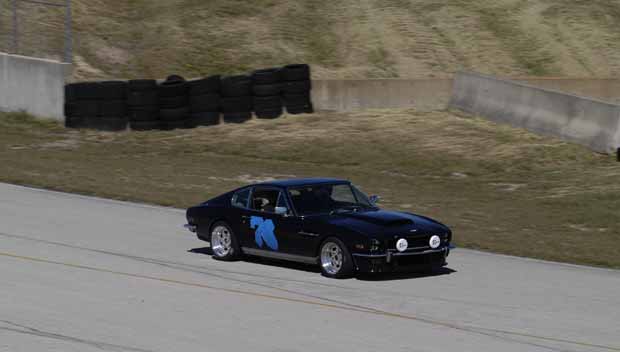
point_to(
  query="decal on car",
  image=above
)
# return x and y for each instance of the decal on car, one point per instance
(264, 232)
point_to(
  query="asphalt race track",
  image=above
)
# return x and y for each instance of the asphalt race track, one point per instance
(87, 274)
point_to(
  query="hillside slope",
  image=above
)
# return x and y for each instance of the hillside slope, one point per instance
(346, 38)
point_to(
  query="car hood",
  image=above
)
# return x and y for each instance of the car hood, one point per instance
(387, 223)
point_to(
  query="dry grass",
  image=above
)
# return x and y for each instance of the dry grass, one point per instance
(501, 189)
(341, 39)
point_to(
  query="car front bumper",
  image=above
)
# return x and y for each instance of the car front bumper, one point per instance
(405, 261)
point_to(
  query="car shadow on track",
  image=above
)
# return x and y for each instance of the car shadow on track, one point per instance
(404, 275)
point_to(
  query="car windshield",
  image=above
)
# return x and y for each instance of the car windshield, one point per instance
(328, 198)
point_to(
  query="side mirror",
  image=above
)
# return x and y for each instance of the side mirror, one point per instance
(282, 211)
(374, 199)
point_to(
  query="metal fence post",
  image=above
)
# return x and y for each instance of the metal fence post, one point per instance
(68, 33)
(15, 30)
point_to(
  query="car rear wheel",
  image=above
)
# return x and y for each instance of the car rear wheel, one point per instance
(336, 261)
(224, 243)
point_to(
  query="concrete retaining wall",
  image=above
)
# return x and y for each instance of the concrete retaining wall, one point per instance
(35, 86)
(434, 93)
(349, 95)
(590, 122)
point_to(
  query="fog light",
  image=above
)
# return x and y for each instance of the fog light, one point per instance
(402, 244)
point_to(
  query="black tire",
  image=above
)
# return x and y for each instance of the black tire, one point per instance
(236, 104)
(74, 122)
(141, 85)
(296, 87)
(347, 268)
(173, 102)
(141, 98)
(113, 90)
(235, 249)
(172, 79)
(267, 76)
(267, 89)
(267, 103)
(305, 109)
(172, 115)
(296, 72)
(297, 99)
(86, 108)
(70, 109)
(205, 102)
(70, 93)
(87, 90)
(269, 114)
(144, 125)
(236, 86)
(103, 123)
(237, 117)
(172, 89)
(208, 85)
(204, 119)
(113, 108)
(172, 125)
(144, 114)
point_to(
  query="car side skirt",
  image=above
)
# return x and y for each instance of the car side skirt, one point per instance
(278, 255)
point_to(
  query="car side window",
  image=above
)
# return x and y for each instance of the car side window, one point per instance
(343, 194)
(241, 198)
(265, 199)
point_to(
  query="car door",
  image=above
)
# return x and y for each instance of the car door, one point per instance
(265, 230)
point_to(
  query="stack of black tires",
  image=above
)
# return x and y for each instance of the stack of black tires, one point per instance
(96, 105)
(204, 102)
(173, 102)
(143, 105)
(296, 88)
(267, 89)
(236, 100)
(177, 103)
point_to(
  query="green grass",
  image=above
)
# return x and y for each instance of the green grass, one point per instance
(501, 189)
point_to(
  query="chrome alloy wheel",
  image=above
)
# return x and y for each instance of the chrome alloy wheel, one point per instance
(221, 241)
(331, 258)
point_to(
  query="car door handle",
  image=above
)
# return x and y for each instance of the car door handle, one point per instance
(308, 234)
(245, 218)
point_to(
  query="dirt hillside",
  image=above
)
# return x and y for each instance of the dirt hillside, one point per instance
(342, 39)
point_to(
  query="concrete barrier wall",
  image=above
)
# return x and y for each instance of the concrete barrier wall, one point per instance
(430, 94)
(349, 95)
(590, 122)
(35, 86)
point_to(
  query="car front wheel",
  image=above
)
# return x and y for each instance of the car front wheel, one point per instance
(336, 261)
(224, 243)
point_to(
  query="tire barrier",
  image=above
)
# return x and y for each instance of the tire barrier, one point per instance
(173, 103)
(236, 98)
(296, 89)
(267, 88)
(204, 101)
(145, 104)
(96, 105)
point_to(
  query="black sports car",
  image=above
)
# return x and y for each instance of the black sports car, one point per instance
(318, 221)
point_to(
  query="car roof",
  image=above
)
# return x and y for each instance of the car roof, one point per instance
(301, 182)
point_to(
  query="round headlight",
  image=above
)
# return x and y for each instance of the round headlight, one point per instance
(401, 245)
(434, 242)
